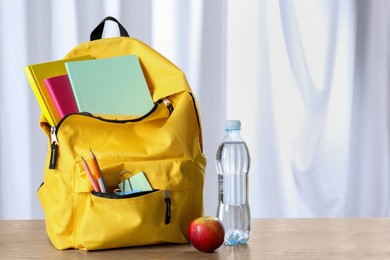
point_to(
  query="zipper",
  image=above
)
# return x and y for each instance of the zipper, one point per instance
(54, 129)
(169, 105)
(167, 199)
(110, 120)
(54, 148)
(119, 196)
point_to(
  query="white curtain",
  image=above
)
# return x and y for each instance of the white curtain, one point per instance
(308, 79)
(311, 85)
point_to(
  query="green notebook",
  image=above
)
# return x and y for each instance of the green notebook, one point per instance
(112, 86)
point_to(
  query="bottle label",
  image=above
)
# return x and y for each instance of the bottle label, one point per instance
(234, 189)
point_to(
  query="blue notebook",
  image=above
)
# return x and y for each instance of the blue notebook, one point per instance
(111, 86)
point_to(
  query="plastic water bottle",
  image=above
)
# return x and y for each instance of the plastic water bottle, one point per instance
(233, 163)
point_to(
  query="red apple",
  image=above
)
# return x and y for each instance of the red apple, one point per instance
(206, 233)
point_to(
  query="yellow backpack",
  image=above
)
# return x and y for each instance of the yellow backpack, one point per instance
(165, 144)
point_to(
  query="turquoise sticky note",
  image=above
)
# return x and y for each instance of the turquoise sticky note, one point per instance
(136, 182)
(139, 182)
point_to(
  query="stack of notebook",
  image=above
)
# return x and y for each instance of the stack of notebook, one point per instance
(107, 86)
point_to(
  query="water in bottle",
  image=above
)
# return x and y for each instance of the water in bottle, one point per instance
(232, 166)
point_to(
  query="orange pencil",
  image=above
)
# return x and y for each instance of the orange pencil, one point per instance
(98, 173)
(90, 176)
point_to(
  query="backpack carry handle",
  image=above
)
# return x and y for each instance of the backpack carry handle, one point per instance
(97, 33)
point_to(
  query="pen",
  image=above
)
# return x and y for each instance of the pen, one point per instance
(98, 173)
(90, 176)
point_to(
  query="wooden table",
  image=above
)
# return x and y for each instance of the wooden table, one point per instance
(270, 239)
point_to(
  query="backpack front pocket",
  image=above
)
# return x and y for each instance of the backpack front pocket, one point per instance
(108, 220)
(112, 223)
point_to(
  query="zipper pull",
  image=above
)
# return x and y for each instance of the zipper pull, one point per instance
(167, 199)
(54, 148)
(169, 105)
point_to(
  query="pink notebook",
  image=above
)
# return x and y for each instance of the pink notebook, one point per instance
(61, 92)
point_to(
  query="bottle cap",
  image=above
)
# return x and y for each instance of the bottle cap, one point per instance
(233, 125)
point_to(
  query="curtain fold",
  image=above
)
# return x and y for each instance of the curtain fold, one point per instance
(314, 145)
(368, 189)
